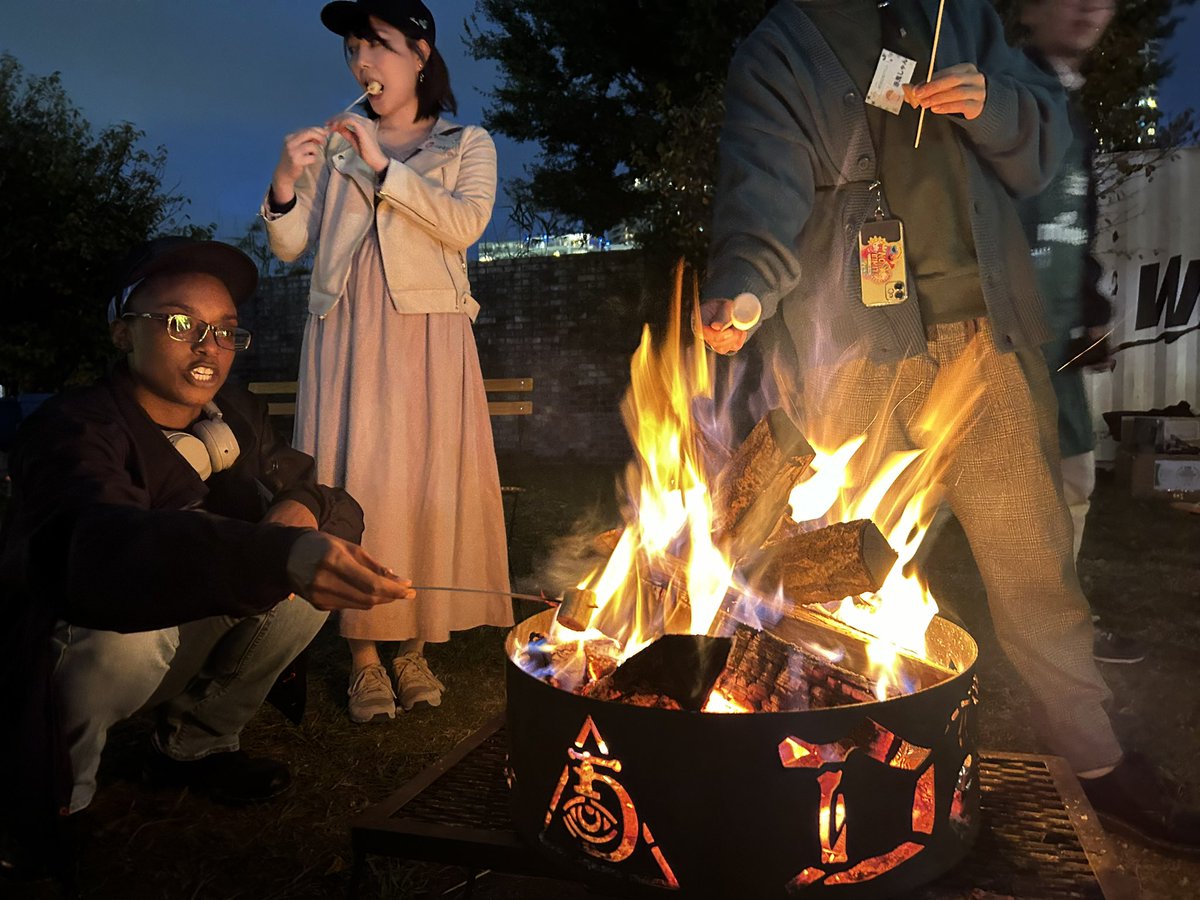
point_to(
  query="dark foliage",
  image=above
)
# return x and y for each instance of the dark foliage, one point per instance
(72, 201)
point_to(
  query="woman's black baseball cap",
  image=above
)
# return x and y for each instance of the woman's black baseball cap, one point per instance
(410, 16)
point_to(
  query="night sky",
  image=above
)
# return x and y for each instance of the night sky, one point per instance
(221, 81)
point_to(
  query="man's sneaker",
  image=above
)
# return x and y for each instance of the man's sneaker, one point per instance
(371, 695)
(1113, 648)
(414, 682)
(1138, 800)
(231, 777)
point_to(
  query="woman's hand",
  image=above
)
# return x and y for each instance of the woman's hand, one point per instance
(360, 132)
(300, 150)
(334, 574)
(959, 89)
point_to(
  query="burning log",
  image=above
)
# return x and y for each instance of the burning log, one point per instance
(752, 490)
(843, 560)
(675, 672)
(570, 665)
(812, 663)
(767, 674)
(814, 629)
(606, 541)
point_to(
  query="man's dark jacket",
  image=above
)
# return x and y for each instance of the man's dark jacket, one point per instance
(110, 528)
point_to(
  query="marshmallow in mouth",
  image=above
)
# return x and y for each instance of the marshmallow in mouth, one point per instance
(374, 88)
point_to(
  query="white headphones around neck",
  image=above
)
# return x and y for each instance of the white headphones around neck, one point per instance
(210, 445)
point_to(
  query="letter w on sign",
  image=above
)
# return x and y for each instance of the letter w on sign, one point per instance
(1154, 298)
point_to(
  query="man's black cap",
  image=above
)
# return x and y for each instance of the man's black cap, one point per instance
(410, 16)
(178, 254)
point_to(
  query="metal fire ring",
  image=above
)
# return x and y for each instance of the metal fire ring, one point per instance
(1040, 836)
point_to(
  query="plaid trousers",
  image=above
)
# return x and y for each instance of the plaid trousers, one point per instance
(1005, 486)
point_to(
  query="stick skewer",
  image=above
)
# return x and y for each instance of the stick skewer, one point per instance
(937, 36)
(373, 88)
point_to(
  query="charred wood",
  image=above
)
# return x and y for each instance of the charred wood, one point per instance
(681, 667)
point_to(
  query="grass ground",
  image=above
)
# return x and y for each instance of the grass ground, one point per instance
(1140, 562)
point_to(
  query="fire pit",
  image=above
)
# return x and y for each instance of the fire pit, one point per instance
(867, 799)
(750, 695)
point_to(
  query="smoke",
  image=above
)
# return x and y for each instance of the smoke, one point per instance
(574, 556)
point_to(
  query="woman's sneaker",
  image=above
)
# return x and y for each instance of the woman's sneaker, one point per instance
(371, 695)
(414, 682)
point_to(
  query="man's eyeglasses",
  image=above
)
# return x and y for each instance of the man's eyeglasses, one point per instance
(190, 330)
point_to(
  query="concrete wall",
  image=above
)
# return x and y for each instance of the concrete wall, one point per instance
(571, 323)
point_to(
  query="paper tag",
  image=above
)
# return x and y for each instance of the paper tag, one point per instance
(893, 71)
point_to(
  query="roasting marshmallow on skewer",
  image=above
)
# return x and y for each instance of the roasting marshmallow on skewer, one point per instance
(746, 312)
(575, 609)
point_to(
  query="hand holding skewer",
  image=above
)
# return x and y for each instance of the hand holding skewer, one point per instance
(331, 573)
(304, 147)
(959, 89)
(360, 132)
(725, 324)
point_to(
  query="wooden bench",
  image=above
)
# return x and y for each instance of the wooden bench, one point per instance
(281, 396)
(281, 404)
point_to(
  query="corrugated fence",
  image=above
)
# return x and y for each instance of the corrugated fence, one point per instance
(1149, 245)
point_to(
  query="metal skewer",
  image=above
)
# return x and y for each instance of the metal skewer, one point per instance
(1099, 340)
(575, 609)
(552, 601)
(937, 36)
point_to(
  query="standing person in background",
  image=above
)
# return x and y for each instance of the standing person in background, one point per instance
(391, 400)
(1060, 224)
(813, 162)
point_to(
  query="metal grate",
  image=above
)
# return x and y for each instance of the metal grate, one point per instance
(1040, 838)
(473, 794)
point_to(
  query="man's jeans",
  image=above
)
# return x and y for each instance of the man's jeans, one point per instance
(206, 679)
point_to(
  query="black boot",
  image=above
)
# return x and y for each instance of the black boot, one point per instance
(1139, 800)
(231, 778)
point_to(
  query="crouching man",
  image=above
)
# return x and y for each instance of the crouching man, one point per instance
(158, 536)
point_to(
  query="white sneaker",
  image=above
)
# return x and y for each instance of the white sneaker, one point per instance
(371, 695)
(414, 682)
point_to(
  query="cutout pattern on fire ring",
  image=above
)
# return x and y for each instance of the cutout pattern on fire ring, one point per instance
(598, 815)
(885, 747)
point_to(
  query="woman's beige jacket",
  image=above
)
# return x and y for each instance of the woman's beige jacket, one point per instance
(428, 211)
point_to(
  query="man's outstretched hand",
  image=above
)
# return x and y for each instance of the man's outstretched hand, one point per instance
(334, 574)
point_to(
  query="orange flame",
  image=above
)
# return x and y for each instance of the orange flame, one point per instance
(670, 512)
(667, 484)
